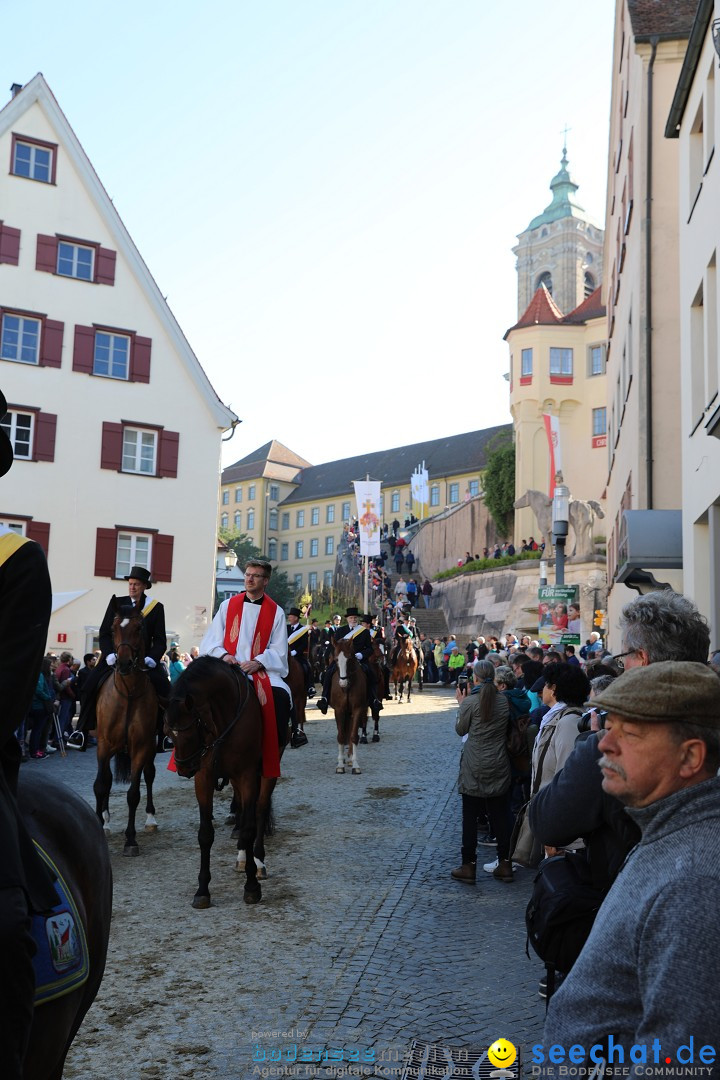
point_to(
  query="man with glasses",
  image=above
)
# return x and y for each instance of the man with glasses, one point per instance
(656, 627)
(249, 631)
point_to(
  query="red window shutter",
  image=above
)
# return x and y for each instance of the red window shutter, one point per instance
(9, 245)
(45, 427)
(105, 266)
(168, 453)
(39, 531)
(140, 365)
(84, 350)
(52, 343)
(105, 552)
(162, 557)
(112, 443)
(46, 257)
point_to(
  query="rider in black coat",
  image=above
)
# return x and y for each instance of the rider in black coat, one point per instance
(363, 649)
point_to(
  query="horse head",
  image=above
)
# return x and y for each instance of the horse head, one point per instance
(127, 632)
(345, 660)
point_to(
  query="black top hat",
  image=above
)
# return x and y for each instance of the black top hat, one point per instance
(351, 611)
(366, 618)
(6, 450)
(295, 611)
(140, 574)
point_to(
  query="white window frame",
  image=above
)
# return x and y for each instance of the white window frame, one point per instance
(250, 520)
(454, 493)
(559, 357)
(315, 515)
(14, 526)
(329, 545)
(314, 547)
(299, 549)
(526, 369)
(113, 343)
(595, 416)
(300, 519)
(591, 369)
(330, 514)
(136, 557)
(10, 427)
(72, 253)
(141, 437)
(33, 164)
(23, 321)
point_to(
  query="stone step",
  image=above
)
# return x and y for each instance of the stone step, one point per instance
(431, 621)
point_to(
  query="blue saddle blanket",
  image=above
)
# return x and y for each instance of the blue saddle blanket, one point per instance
(62, 961)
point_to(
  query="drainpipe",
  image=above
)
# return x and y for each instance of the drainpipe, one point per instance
(648, 278)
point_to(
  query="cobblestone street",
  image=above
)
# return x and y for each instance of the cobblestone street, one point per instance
(362, 942)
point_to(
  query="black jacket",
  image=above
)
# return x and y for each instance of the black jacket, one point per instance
(362, 643)
(300, 647)
(574, 804)
(153, 627)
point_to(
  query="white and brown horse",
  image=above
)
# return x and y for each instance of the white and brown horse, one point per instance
(348, 700)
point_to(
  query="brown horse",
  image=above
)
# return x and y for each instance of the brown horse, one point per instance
(348, 699)
(67, 829)
(126, 727)
(298, 692)
(215, 720)
(379, 668)
(404, 668)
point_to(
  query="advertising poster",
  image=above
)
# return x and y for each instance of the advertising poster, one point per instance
(559, 615)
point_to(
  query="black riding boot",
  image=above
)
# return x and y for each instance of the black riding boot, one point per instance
(322, 702)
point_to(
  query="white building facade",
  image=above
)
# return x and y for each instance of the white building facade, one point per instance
(115, 426)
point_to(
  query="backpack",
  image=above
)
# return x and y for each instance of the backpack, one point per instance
(562, 909)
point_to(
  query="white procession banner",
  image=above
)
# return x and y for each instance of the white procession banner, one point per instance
(367, 495)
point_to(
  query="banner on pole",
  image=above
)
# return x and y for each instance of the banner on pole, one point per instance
(552, 430)
(367, 495)
(559, 620)
(419, 484)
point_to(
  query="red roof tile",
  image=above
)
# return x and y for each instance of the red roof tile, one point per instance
(667, 18)
(542, 310)
(591, 308)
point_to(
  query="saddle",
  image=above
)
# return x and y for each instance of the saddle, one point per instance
(62, 961)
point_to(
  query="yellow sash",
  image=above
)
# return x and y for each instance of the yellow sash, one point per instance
(9, 544)
(354, 633)
(298, 634)
(148, 608)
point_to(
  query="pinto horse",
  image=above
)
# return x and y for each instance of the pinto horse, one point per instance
(404, 668)
(348, 699)
(68, 831)
(215, 720)
(126, 727)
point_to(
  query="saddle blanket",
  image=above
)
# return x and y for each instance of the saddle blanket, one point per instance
(62, 960)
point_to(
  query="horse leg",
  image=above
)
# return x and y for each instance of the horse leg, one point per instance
(101, 787)
(232, 812)
(249, 795)
(352, 746)
(206, 835)
(409, 687)
(363, 729)
(340, 767)
(133, 799)
(149, 774)
(376, 732)
(264, 806)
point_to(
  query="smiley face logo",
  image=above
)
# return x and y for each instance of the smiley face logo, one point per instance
(502, 1053)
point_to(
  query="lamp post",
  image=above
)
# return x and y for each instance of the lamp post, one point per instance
(560, 520)
(230, 559)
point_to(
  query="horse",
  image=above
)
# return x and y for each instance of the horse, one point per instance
(215, 720)
(67, 829)
(298, 692)
(377, 662)
(348, 700)
(541, 506)
(126, 728)
(404, 668)
(320, 658)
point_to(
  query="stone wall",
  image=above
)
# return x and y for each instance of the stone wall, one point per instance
(439, 542)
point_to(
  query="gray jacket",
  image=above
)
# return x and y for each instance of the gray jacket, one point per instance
(649, 969)
(484, 764)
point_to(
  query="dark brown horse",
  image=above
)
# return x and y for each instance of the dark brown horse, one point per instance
(404, 668)
(126, 727)
(215, 720)
(298, 692)
(348, 699)
(68, 830)
(377, 663)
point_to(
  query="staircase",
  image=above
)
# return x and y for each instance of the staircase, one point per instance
(429, 621)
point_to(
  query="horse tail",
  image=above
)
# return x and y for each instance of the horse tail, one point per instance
(123, 767)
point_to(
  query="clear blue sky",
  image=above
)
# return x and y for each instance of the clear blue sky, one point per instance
(328, 191)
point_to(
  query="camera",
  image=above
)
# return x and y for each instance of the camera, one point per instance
(462, 683)
(585, 720)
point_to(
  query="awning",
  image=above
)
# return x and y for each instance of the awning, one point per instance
(62, 599)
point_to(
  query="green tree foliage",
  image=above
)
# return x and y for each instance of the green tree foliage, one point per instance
(499, 482)
(279, 587)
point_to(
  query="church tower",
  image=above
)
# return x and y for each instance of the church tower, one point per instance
(561, 249)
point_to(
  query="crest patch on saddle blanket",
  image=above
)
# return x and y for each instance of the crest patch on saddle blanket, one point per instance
(62, 962)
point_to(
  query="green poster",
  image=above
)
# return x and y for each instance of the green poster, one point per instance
(559, 621)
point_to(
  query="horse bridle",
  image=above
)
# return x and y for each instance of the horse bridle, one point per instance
(203, 729)
(132, 667)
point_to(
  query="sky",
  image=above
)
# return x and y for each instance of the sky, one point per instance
(328, 191)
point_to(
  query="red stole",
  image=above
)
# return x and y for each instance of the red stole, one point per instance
(261, 680)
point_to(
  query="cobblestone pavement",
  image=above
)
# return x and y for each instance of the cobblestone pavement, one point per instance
(362, 943)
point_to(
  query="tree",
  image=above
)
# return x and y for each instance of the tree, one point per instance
(499, 482)
(279, 587)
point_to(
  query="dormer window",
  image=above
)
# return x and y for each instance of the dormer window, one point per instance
(33, 159)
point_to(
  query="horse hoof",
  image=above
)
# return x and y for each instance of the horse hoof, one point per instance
(376, 737)
(200, 903)
(230, 819)
(131, 850)
(363, 739)
(262, 873)
(340, 769)
(356, 771)
(151, 828)
(252, 897)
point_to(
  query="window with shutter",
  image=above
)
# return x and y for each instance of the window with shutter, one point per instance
(132, 448)
(51, 343)
(162, 557)
(168, 456)
(33, 159)
(112, 354)
(84, 349)
(75, 261)
(20, 338)
(20, 429)
(45, 430)
(46, 253)
(105, 266)
(111, 451)
(9, 245)
(39, 531)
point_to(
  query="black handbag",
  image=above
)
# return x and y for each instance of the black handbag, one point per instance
(562, 909)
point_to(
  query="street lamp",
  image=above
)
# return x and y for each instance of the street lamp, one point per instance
(560, 521)
(230, 559)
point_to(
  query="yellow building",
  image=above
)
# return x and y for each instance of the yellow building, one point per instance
(307, 506)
